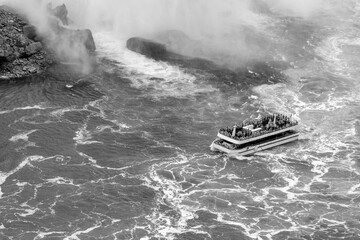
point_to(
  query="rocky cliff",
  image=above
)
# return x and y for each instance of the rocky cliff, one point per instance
(21, 53)
(25, 51)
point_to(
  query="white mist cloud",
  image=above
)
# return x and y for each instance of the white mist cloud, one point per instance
(302, 8)
(231, 29)
(131, 17)
(219, 24)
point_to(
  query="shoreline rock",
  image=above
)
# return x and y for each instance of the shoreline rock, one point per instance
(79, 37)
(147, 47)
(19, 55)
(60, 12)
(23, 51)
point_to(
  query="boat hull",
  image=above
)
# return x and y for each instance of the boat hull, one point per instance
(256, 147)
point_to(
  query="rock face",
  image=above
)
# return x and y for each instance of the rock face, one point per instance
(23, 51)
(85, 36)
(33, 48)
(69, 44)
(147, 47)
(61, 12)
(77, 38)
(30, 32)
(72, 36)
(20, 54)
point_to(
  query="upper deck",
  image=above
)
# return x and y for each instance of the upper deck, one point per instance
(257, 129)
(255, 138)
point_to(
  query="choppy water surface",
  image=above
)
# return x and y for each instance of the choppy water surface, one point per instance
(125, 153)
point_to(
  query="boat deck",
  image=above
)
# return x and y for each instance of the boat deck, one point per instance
(254, 139)
(257, 145)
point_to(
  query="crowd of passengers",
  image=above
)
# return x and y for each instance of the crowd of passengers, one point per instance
(265, 124)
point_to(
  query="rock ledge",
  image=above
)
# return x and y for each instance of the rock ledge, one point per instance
(20, 52)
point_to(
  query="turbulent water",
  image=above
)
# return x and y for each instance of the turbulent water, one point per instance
(125, 153)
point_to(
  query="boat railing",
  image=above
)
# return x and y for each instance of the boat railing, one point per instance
(254, 137)
(250, 130)
(226, 147)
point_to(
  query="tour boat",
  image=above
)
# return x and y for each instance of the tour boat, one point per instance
(256, 135)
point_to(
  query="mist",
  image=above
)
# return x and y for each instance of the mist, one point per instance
(197, 18)
(303, 8)
(231, 32)
(228, 31)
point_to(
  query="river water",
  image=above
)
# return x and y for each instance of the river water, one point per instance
(125, 153)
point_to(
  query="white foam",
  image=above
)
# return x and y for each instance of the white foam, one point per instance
(21, 184)
(5, 175)
(83, 136)
(279, 98)
(60, 112)
(28, 212)
(42, 235)
(75, 234)
(24, 108)
(60, 180)
(331, 50)
(172, 195)
(22, 136)
(354, 189)
(160, 78)
(343, 64)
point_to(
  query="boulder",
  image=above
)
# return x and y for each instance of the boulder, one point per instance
(20, 55)
(85, 36)
(24, 51)
(7, 53)
(61, 13)
(21, 40)
(76, 38)
(33, 48)
(147, 47)
(30, 32)
(5, 50)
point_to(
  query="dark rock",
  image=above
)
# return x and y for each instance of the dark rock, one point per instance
(30, 32)
(147, 47)
(33, 48)
(19, 54)
(74, 38)
(24, 51)
(21, 40)
(5, 50)
(61, 12)
(85, 36)
(32, 69)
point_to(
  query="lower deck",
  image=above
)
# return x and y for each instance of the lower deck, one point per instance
(253, 147)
